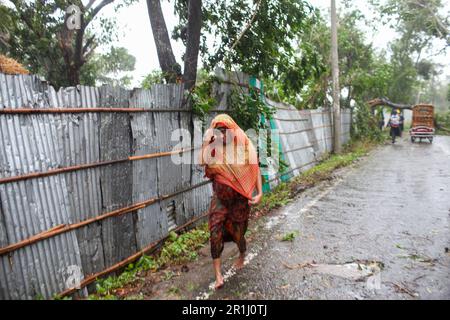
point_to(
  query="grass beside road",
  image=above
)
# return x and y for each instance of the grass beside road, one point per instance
(178, 249)
(285, 192)
(183, 248)
(443, 123)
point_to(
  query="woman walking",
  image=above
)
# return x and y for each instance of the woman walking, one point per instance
(231, 163)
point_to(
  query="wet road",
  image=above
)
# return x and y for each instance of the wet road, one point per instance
(380, 230)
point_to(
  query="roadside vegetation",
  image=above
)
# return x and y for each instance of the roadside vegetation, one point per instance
(443, 123)
(177, 250)
(286, 191)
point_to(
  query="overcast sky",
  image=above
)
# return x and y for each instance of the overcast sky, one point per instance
(135, 34)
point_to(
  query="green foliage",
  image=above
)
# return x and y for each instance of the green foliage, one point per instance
(268, 45)
(39, 296)
(202, 96)
(6, 24)
(154, 77)
(177, 249)
(443, 123)
(448, 92)
(285, 191)
(174, 290)
(58, 297)
(423, 27)
(365, 124)
(290, 236)
(109, 68)
(139, 296)
(183, 248)
(404, 73)
(146, 263)
(418, 21)
(105, 287)
(278, 197)
(246, 109)
(37, 37)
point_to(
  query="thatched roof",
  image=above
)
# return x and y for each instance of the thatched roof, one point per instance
(11, 66)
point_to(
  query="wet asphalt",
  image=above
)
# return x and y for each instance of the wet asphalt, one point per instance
(391, 209)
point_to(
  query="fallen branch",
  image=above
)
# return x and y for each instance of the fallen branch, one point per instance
(404, 289)
(299, 265)
(443, 129)
(386, 102)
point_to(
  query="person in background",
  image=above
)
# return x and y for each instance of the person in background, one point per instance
(231, 162)
(394, 124)
(381, 120)
(402, 121)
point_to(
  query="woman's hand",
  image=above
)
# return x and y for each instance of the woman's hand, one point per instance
(256, 199)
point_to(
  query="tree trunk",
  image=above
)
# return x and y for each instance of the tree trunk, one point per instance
(192, 44)
(71, 44)
(169, 66)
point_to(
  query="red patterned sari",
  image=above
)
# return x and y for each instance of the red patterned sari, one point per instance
(233, 185)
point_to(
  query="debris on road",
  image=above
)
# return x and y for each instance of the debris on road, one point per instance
(299, 265)
(404, 289)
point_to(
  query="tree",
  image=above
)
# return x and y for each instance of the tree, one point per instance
(418, 22)
(154, 77)
(194, 25)
(109, 68)
(169, 66)
(421, 26)
(5, 25)
(257, 37)
(448, 93)
(41, 39)
(269, 44)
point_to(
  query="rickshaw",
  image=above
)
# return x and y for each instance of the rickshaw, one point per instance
(422, 126)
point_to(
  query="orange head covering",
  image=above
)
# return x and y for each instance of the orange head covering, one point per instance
(231, 161)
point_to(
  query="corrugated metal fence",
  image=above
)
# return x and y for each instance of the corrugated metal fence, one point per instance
(82, 191)
(305, 136)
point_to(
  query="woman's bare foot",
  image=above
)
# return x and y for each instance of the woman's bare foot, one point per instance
(219, 277)
(239, 263)
(219, 282)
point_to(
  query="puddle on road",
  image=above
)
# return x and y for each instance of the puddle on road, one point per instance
(351, 270)
(357, 271)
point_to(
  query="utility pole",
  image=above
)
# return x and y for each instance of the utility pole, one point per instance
(335, 76)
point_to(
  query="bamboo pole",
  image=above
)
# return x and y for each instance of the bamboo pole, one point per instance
(68, 227)
(84, 110)
(92, 165)
(58, 171)
(90, 110)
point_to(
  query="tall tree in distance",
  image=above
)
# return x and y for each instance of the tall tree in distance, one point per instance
(41, 38)
(424, 32)
(111, 68)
